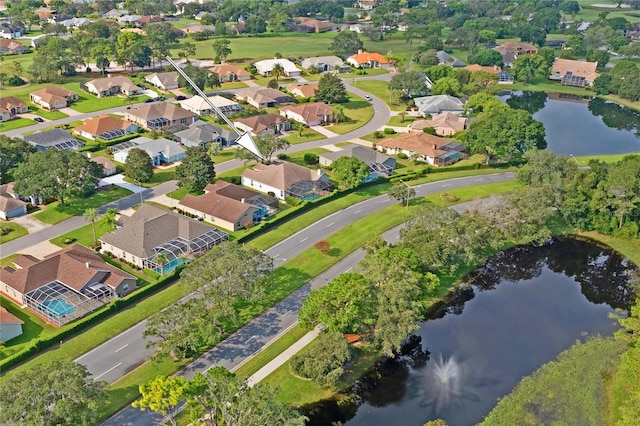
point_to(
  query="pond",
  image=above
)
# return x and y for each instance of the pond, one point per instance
(577, 125)
(515, 313)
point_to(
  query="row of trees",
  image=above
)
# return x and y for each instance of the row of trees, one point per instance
(225, 275)
(216, 398)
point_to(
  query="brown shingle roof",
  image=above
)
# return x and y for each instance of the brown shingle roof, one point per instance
(161, 109)
(421, 143)
(578, 68)
(229, 190)
(310, 111)
(280, 175)
(307, 90)
(12, 102)
(104, 84)
(55, 91)
(217, 205)
(8, 203)
(105, 162)
(226, 69)
(75, 266)
(447, 120)
(259, 123)
(475, 67)
(104, 123)
(150, 227)
(7, 317)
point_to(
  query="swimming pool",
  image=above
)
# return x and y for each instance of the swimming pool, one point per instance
(57, 308)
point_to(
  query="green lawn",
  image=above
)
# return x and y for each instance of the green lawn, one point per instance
(396, 120)
(13, 231)
(381, 90)
(49, 115)
(583, 160)
(33, 327)
(358, 111)
(233, 85)
(159, 176)
(55, 213)
(269, 352)
(291, 388)
(263, 81)
(7, 261)
(89, 103)
(371, 137)
(298, 157)
(83, 235)
(16, 123)
(308, 135)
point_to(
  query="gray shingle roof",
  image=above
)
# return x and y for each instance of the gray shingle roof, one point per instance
(367, 155)
(55, 138)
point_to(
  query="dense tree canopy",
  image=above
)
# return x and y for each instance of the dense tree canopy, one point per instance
(349, 171)
(196, 169)
(331, 90)
(138, 166)
(409, 83)
(52, 393)
(346, 43)
(13, 151)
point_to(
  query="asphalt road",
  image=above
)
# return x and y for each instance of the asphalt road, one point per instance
(268, 326)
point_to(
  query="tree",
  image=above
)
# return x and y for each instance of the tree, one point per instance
(62, 174)
(331, 90)
(338, 114)
(196, 169)
(51, 393)
(278, 18)
(138, 166)
(255, 25)
(91, 214)
(345, 305)
(332, 10)
(346, 43)
(324, 361)
(532, 34)
(200, 77)
(219, 398)
(401, 192)
(409, 83)
(267, 145)
(527, 67)
(446, 86)
(13, 151)
(161, 259)
(162, 395)
(487, 58)
(221, 49)
(350, 171)
(299, 127)
(110, 217)
(503, 131)
(277, 71)
(187, 49)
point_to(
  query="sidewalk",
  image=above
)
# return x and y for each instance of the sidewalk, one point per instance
(283, 357)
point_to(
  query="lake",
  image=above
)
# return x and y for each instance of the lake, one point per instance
(513, 314)
(577, 125)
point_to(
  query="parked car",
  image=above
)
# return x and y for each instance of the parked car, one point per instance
(369, 98)
(180, 98)
(159, 98)
(142, 86)
(38, 119)
(146, 101)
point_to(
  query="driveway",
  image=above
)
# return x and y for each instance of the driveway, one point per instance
(118, 180)
(30, 223)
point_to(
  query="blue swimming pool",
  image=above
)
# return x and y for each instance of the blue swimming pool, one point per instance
(170, 266)
(57, 308)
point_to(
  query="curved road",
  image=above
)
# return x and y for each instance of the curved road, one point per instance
(108, 361)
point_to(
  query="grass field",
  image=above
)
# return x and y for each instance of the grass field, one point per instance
(55, 213)
(308, 135)
(358, 111)
(381, 90)
(11, 231)
(16, 123)
(83, 235)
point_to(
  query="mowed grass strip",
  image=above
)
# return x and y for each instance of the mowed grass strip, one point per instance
(16, 123)
(11, 231)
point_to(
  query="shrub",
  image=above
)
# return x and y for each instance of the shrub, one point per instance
(272, 84)
(378, 134)
(402, 156)
(449, 198)
(311, 158)
(389, 131)
(68, 240)
(323, 245)
(282, 156)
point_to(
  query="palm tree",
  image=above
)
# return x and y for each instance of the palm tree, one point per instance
(92, 215)
(338, 114)
(277, 71)
(299, 127)
(161, 259)
(110, 217)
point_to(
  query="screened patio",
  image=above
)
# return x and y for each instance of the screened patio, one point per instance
(310, 189)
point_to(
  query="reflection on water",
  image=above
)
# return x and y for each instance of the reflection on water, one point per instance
(516, 312)
(578, 125)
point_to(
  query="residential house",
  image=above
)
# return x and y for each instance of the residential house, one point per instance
(65, 285)
(10, 325)
(311, 114)
(53, 97)
(56, 18)
(304, 24)
(379, 163)
(281, 179)
(75, 23)
(143, 21)
(224, 136)
(115, 13)
(229, 206)
(228, 72)
(445, 124)
(359, 28)
(260, 125)
(261, 97)
(158, 115)
(266, 67)
(193, 29)
(160, 151)
(164, 80)
(445, 58)
(237, 28)
(111, 85)
(8, 30)
(12, 47)
(108, 167)
(152, 230)
(438, 104)
(510, 50)
(574, 73)
(430, 149)
(491, 70)
(366, 4)
(105, 127)
(44, 13)
(200, 15)
(325, 63)
(11, 106)
(368, 60)
(55, 138)
(303, 90)
(634, 31)
(199, 105)
(10, 205)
